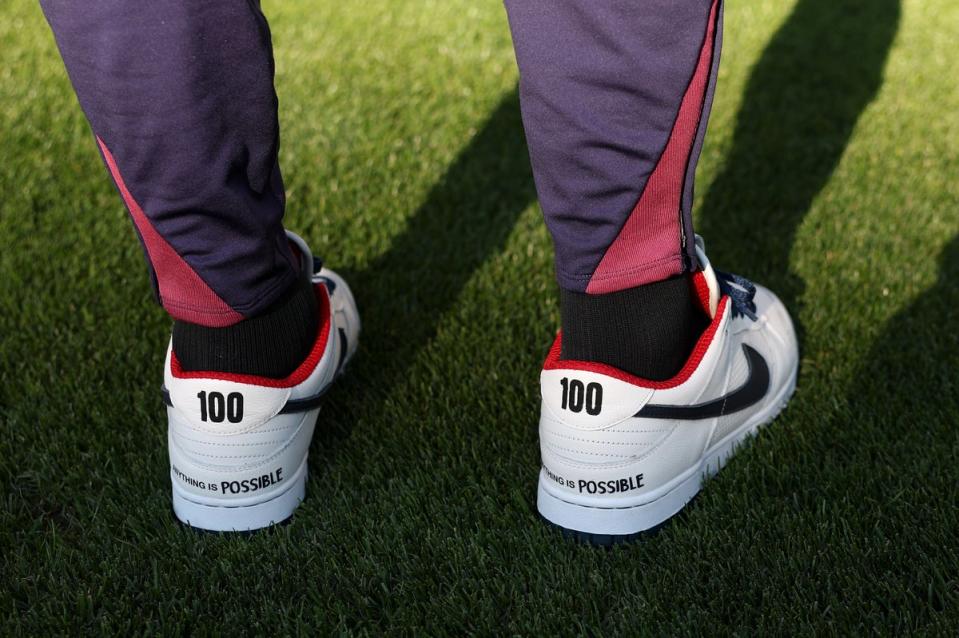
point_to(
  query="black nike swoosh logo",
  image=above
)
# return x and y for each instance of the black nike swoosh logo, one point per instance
(750, 392)
(295, 405)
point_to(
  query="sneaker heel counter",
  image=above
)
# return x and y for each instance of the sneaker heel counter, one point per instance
(237, 467)
(228, 440)
(580, 444)
(589, 401)
(225, 407)
(220, 406)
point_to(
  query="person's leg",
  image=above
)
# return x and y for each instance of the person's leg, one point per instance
(180, 98)
(615, 97)
(663, 365)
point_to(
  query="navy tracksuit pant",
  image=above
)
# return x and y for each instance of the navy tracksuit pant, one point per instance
(615, 96)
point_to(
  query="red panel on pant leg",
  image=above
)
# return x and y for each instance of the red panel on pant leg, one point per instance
(648, 247)
(182, 292)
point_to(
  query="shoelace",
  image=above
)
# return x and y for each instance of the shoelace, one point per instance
(741, 291)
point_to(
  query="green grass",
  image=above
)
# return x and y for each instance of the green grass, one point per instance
(831, 174)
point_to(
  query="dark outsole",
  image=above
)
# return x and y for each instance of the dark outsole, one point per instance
(611, 540)
(604, 540)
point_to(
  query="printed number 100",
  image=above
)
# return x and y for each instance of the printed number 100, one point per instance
(576, 396)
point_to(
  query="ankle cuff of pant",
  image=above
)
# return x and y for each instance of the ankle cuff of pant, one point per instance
(271, 344)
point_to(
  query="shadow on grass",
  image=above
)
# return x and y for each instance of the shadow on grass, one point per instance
(885, 467)
(911, 375)
(802, 100)
(908, 387)
(464, 220)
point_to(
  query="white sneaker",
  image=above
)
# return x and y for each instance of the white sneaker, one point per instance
(622, 454)
(238, 443)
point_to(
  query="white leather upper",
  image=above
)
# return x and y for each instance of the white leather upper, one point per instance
(260, 403)
(585, 455)
(245, 459)
(204, 454)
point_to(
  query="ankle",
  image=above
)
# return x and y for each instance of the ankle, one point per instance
(271, 344)
(648, 331)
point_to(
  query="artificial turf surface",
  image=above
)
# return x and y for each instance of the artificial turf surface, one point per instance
(831, 174)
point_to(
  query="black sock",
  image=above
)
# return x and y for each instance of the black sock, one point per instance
(272, 344)
(648, 331)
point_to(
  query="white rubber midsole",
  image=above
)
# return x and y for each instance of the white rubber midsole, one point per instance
(628, 516)
(223, 515)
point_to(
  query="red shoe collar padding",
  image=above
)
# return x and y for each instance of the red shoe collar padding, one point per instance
(296, 377)
(553, 362)
(701, 288)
